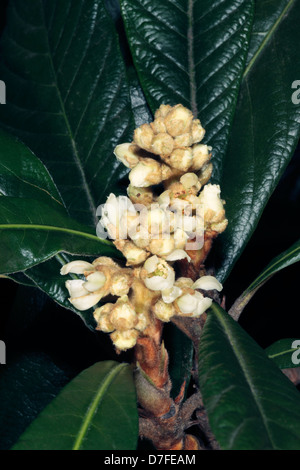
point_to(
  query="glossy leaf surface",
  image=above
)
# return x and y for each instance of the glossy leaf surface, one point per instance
(285, 353)
(250, 403)
(32, 232)
(95, 411)
(67, 96)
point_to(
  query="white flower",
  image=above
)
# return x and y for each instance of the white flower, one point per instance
(95, 281)
(208, 283)
(112, 213)
(169, 295)
(77, 267)
(193, 305)
(160, 275)
(86, 293)
(212, 203)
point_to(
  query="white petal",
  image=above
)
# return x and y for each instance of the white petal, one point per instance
(76, 288)
(138, 175)
(194, 304)
(189, 179)
(164, 199)
(208, 283)
(210, 197)
(95, 281)
(177, 254)
(187, 303)
(76, 267)
(203, 304)
(159, 282)
(169, 295)
(86, 301)
(151, 264)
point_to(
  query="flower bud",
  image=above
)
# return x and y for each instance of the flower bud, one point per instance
(132, 253)
(105, 261)
(178, 121)
(143, 196)
(124, 340)
(141, 237)
(125, 153)
(123, 315)
(188, 180)
(197, 131)
(102, 311)
(201, 155)
(105, 325)
(181, 159)
(212, 203)
(163, 311)
(120, 284)
(205, 173)
(158, 125)
(146, 173)
(162, 111)
(219, 227)
(142, 322)
(183, 140)
(143, 136)
(162, 246)
(180, 238)
(162, 144)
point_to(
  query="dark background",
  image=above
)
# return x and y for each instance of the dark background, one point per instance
(34, 326)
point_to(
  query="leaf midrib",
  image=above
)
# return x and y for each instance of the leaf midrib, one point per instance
(53, 229)
(68, 126)
(94, 405)
(244, 369)
(191, 61)
(267, 38)
(261, 277)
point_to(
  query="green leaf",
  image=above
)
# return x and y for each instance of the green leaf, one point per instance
(251, 405)
(29, 382)
(267, 15)
(32, 232)
(285, 259)
(265, 131)
(285, 353)
(95, 411)
(139, 105)
(22, 174)
(46, 276)
(67, 97)
(191, 52)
